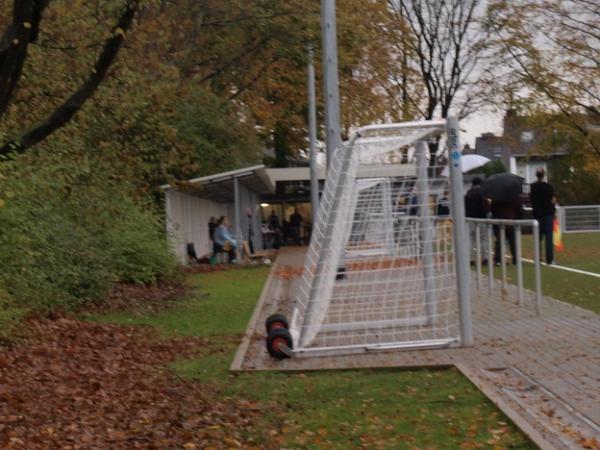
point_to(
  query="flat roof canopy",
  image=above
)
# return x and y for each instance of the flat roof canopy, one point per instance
(367, 171)
(220, 186)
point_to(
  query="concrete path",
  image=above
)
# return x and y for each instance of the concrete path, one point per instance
(543, 372)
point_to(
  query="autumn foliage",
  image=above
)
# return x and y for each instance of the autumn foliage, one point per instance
(84, 385)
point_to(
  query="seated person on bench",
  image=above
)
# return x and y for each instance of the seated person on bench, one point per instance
(223, 241)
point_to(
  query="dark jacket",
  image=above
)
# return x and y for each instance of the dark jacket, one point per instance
(542, 199)
(443, 207)
(512, 210)
(476, 205)
(211, 230)
(296, 220)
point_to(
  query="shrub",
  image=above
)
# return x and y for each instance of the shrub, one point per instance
(68, 233)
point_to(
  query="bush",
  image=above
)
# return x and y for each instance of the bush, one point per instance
(68, 233)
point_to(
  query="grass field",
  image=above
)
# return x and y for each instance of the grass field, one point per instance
(582, 251)
(372, 409)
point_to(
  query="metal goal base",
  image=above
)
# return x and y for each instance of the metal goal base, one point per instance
(358, 349)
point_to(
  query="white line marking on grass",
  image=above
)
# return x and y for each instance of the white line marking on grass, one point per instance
(568, 269)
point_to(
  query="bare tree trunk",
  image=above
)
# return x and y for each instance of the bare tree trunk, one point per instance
(443, 47)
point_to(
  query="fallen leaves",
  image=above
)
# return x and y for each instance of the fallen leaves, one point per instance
(88, 385)
(284, 272)
(590, 443)
(379, 264)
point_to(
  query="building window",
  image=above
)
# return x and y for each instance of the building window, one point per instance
(527, 136)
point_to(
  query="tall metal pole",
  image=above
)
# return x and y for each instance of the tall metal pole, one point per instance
(312, 134)
(426, 230)
(330, 69)
(537, 267)
(237, 217)
(460, 233)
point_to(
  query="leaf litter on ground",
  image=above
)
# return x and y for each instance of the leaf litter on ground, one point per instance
(76, 385)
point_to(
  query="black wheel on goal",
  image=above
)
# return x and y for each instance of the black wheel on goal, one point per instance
(275, 321)
(279, 343)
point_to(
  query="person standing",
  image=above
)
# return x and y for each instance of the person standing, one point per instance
(443, 206)
(274, 221)
(276, 228)
(543, 205)
(477, 207)
(296, 225)
(250, 218)
(443, 222)
(413, 202)
(212, 226)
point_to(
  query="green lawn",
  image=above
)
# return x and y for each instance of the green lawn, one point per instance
(10, 318)
(582, 251)
(574, 288)
(372, 409)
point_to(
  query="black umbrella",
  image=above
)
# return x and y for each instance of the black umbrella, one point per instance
(503, 187)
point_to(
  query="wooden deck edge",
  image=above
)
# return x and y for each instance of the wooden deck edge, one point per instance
(506, 408)
(238, 359)
(431, 366)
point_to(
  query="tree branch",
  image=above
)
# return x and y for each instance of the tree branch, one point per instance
(67, 110)
(16, 40)
(24, 29)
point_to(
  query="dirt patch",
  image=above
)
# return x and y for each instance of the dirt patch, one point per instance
(132, 296)
(207, 268)
(86, 385)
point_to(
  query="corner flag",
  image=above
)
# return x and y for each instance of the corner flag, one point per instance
(557, 236)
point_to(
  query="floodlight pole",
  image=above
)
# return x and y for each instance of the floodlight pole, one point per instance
(312, 135)
(330, 69)
(460, 232)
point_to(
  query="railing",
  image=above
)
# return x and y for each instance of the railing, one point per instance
(486, 226)
(579, 219)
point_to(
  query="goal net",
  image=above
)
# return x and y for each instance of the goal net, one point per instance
(380, 268)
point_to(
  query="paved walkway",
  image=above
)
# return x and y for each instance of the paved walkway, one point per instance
(543, 372)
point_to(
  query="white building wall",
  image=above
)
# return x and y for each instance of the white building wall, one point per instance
(187, 221)
(249, 201)
(513, 165)
(527, 169)
(188, 217)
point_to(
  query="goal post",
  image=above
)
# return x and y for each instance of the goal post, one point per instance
(381, 271)
(460, 231)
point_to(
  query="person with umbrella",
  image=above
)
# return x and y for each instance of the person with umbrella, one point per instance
(476, 206)
(505, 191)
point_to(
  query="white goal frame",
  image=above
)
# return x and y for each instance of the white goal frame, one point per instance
(331, 232)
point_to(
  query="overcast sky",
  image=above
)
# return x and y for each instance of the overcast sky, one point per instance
(478, 123)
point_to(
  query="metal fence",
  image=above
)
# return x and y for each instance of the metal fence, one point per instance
(579, 219)
(484, 231)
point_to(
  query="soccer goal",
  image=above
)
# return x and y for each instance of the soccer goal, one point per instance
(381, 271)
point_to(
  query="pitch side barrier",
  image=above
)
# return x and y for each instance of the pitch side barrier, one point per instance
(481, 240)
